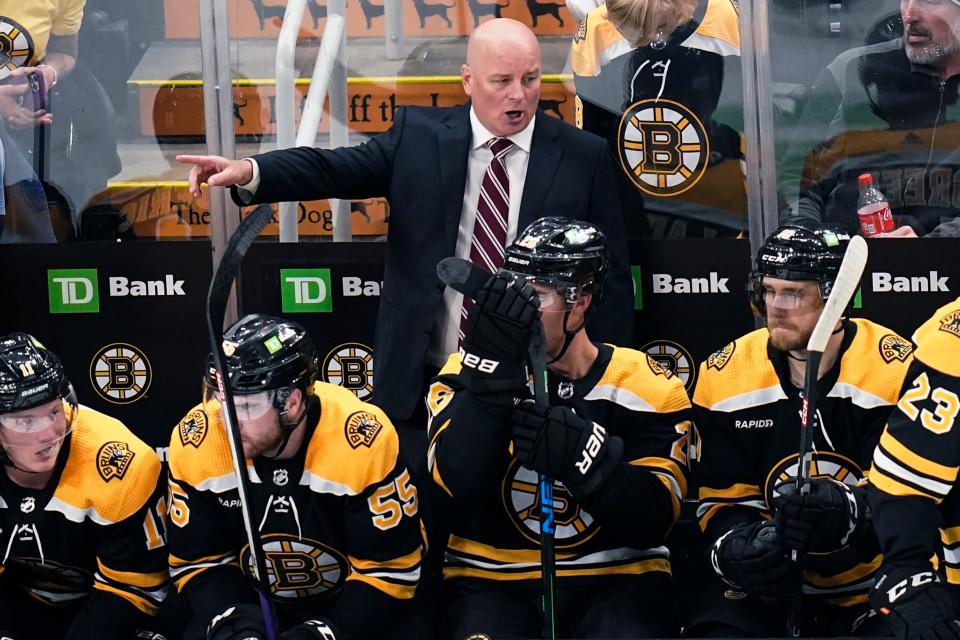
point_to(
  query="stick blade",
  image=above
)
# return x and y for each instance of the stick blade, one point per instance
(845, 285)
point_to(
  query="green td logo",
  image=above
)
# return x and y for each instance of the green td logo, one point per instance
(306, 291)
(637, 287)
(73, 291)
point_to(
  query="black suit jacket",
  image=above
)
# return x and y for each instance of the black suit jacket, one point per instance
(420, 166)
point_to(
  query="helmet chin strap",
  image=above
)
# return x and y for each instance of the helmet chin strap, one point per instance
(569, 334)
(288, 427)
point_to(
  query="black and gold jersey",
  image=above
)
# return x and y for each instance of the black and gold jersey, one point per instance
(914, 473)
(747, 418)
(96, 529)
(495, 527)
(671, 127)
(338, 521)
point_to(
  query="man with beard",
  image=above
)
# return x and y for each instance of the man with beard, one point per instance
(336, 507)
(890, 108)
(747, 411)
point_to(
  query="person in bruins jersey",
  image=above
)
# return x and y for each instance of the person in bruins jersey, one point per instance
(81, 510)
(614, 438)
(746, 409)
(913, 489)
(650, 77)
(331, 498)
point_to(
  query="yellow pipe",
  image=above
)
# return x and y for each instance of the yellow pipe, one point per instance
(549, 78)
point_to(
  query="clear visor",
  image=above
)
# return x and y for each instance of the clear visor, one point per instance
(790, 300)
(249, 406)
(550, 293)
(58, 416)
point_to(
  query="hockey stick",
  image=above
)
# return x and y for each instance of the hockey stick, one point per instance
(844, 286)
(217, 296)
(467, 278)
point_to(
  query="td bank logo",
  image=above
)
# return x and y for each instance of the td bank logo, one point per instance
(73, 291)
(305, 291)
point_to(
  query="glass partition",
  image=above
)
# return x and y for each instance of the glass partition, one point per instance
(858, 99)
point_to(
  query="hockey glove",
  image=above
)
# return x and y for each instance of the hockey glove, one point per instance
(750, 557)
(917, 603)
(559, 443)
(826, 519)
(316, 629)
(238, 622)
(495, 340)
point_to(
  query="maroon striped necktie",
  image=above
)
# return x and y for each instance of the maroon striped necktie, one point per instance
(493, 211)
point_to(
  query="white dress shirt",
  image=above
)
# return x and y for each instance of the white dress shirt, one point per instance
(448, 317)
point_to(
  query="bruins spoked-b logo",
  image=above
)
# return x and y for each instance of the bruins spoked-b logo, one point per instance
(663, 147)
(350, 365)
(951, 323)
(362, 428)
(113, 460)
(719, 359)
(893, 347)
(193, 428)
(825, 465)
(16, 46)
(120, 373)
(521, 500)
(298, 568)
(673, 358)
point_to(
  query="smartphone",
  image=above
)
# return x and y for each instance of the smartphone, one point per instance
(36, 96)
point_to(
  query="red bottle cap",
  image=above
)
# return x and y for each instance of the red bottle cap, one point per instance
(865, 180)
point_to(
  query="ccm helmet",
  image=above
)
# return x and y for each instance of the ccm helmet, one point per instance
(568, 255)
(800, 252)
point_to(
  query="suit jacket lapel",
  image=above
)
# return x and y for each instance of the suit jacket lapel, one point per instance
(545, 154)
(454, 146)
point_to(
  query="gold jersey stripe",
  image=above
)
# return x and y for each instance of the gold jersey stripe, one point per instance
(135, 578)
(669, 466)
(634, 568)
(915, 461)
(893, 487)
(408, 561)
(950, 535)
(850, 601)
(850, 576)
(141, 603)
(398, 591)
(738, 490)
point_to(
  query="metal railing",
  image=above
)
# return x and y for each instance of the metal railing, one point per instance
(328, 75)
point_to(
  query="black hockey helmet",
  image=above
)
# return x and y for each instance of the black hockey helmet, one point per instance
(30, 374)
(801, 252)
(264, 353)
(569, 255)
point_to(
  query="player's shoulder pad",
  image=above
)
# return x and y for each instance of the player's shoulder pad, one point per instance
(595, 43)
(354, 445)
(636, 381)
(110, 473)
(873, 366)
(719, 31)
(199, 452)
(738, 372)
(938, 340)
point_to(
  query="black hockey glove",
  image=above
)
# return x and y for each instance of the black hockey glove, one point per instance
(237, 622)
(498, 331)
(750, 557)
(826, 519)
(561, 444)
(917, 603)
(316, 629)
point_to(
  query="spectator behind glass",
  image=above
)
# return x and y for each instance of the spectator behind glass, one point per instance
(650, 76)
(889, 108)
(63, 153)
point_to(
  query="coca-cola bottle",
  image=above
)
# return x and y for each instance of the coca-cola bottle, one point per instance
(873, 208)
